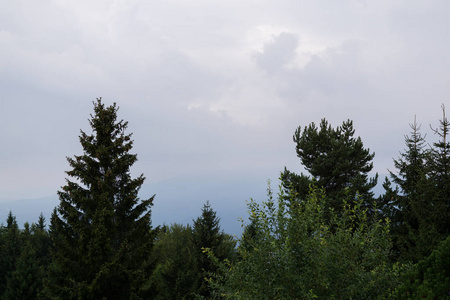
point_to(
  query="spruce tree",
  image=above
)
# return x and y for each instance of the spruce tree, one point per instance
(421, 206)
(101, 231)
(206, 234)
(411, 163)
(31, 254)
(440, 168)
(26, 280)
(41, 241)
(10, 246)
(410, 176)
(434, 207)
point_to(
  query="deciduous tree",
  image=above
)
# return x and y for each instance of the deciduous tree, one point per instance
(176, 275)
(305, 252)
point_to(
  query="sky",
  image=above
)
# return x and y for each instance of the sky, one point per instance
(212, 90)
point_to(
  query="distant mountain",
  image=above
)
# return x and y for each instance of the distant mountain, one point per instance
(28, 210)
(178, 200)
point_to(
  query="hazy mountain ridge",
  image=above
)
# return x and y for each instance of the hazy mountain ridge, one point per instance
(177, 200)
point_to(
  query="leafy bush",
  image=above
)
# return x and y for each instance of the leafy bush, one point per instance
(293, 253)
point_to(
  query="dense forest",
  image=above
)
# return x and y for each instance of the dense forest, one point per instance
(320, 235)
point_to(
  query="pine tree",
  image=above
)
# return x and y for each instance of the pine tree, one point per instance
(336, 160)
(101, 231)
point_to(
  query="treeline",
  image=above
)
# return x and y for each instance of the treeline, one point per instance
(323, 235)
(178, 260)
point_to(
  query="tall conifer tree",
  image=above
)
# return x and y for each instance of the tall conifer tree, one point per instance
(440, 160)
(421, 208)
(410, 176)
(206, 233)
(26, 280)
(101, 230)
(336, 160)
(10, 245)
(434, 208)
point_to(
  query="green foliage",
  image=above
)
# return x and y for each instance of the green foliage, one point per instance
(24, 256)
(26, 280)
(297, 253)
(420, 207)
(10, 245)
(324, 237)
(176, 274)
(410, 164)
(101, 230)
(430, 278)
(438, 189)
(404, 201)
(181, 262)
(250, 233)
(206, 234)
(41, 241)
(337, 161)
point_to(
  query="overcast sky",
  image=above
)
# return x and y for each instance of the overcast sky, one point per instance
(213, 87)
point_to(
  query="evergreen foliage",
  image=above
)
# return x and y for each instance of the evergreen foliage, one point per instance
(439, 172)
(420, 204)
(10, 245)
(206, 234)
(410, 164)
(26, 280)
(336, 160)
(250, 232)
(41, 241)
(24, 257)
(181, 263)
(430, 278)
(410, 175)
(101, 231)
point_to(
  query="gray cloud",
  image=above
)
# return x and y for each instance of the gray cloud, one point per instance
(277, 53)
(211, 87)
